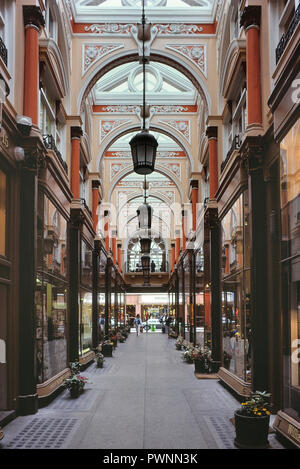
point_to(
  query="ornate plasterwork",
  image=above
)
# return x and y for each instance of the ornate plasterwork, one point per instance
(181, 126)
(116, 168)
(174, 168)
(126, 29)
(195, 53)
(107, 126)
(109, 28)
(159, 154)
(159, 108)
(91, 53)
(172, 29)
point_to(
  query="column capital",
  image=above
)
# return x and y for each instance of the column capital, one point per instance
(76, 132)
(212, 132)
(33, 16)
(194, 184)
(252, 153)
(251, 16)
(95, 184)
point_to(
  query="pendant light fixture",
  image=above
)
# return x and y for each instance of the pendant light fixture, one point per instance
(143, 145)
(144, 213)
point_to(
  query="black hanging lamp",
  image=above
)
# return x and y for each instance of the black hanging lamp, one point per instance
(143, 145)
(144, 213)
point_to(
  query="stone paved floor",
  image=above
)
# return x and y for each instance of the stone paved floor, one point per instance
(144, 398)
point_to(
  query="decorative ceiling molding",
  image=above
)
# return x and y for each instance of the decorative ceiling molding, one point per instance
(132, 109)
(115, 168)
(107, 126)
(195, 53)
(115, 29)
(181, 126)
(91, 53)
(174, 168)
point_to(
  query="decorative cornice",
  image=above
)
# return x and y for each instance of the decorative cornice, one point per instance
(251, 16)
(33, 16)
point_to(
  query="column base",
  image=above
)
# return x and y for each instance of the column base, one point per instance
(28, 405)
(254, 130)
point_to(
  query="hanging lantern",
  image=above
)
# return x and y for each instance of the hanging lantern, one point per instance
(144, 214)
(145, 245)
(143, 151)
(145, 265)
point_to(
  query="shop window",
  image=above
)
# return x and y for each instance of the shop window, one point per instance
(86, 265)
(85, 329)
(290, 243)
(236, 299)
(51, 290)
(3, 210)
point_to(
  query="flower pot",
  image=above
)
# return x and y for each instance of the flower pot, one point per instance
(107, 350)
(178, 346)
(100, 364)
(75, 391)
(200, 366)
(251, 432)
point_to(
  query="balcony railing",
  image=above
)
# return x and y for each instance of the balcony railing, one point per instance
(287, 36)
(236, 143)
(83, 201)
(3, 51)
(50, 144)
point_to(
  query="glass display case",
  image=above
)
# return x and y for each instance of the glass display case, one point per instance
(86, 304)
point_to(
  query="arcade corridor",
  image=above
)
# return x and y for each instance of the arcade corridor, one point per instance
(145, 397)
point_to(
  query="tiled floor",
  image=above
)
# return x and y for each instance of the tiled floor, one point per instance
(144, 398)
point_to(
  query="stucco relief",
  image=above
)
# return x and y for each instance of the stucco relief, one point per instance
(181, 126)
(195, 53)
(107, 126)
(91, 53)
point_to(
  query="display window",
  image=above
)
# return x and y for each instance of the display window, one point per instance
(3, 210)
(236, 311)
(51, 291)
(290, 262)
(85, 329)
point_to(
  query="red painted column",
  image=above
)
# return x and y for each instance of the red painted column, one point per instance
(183, 230)
(194, 198)
(114, 246)
(212, 134)
(250, 20)
(173, 256)
(207, 308)
(106, 229)
(177, 241)
(33, 21)
(95, 203)
(76, 133)
(120, 257)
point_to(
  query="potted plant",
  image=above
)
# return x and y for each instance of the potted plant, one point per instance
(178, 343)
(75, 383)
(100, 359)
(107, 348)
(252, 422)
(120, 337)
(187, 355)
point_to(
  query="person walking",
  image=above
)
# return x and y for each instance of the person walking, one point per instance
(138, 323)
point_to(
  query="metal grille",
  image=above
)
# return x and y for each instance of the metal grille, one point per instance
(222, 431)
(44, 433)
